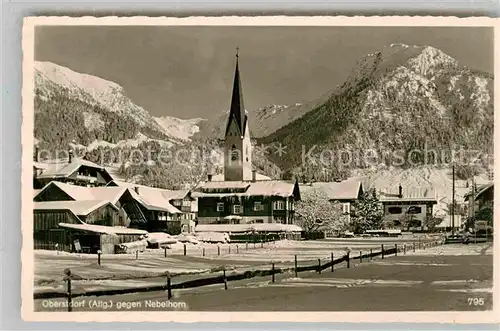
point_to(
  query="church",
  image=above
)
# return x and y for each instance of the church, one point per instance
(242, 197)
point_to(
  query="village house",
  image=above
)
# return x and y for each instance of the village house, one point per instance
(483, 197)
(184, 209)
(409, 208)
(346, 193)
(242, 197)
(73, 171)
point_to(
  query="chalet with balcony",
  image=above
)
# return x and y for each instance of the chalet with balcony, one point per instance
(74, 171)
(247, 202)
(407, 208)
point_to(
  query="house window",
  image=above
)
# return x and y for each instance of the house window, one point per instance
(279, 205)
(177, 203)
(279, 219)
(162, 216)
(394, 210)
(220, 206)
(346, 208)
(414, 210)
(258, 206)
(259, 221)
(237, 209)
(186, 203)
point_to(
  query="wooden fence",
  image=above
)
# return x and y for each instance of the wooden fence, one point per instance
(222, 278)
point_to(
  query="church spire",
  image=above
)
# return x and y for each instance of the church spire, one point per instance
(237, 110)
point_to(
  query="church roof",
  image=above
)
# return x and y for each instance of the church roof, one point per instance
(237, 110)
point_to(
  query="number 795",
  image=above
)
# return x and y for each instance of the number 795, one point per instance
(475, 301)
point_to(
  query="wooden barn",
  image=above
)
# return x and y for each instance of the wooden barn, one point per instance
(48, 234)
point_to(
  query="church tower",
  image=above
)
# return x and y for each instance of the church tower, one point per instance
(237, 146)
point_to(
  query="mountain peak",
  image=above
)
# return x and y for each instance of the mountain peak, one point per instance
(71, 79)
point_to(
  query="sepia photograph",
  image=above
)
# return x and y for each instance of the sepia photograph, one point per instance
(258, 167)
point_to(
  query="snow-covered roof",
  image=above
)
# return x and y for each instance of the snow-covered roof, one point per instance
(170, 194)
(35, 192)
(103, 229)
(64, 169)
(155, 199)
(246, 188)
(112, 194)
(345, 190)
(258, 227)
(79, 208)
(480, 190)
(409, 195)
(40, 165)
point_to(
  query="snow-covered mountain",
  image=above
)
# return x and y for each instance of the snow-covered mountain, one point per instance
(265, 120)
(399, 98)
(91, 89)
(180, 128)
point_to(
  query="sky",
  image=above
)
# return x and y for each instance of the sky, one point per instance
(188, 71)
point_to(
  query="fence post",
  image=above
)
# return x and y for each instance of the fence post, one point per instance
(203, 251)
(229, 249)
(371, 253)
(404, 249)
(99, 257)
(331, 258)
(225, 279)
(261, 244)
(165, 251)
(169, 287)
(348, 260)
(68, 278)
(246, 245)
(382, 251)
(414, 246)
(218, 250)
(237, 249)
(136, 255)
(360, 256)
(319, 266)
(273, 272)
(296, 266)
(396, 249)
(184, 249)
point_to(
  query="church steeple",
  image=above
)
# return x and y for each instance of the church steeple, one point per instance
(237, 110)
(237, 144)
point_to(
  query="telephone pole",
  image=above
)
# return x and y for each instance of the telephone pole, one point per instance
(453, 201)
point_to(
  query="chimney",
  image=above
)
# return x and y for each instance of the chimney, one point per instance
(70, 156)
(136, 189)
(209, 177)
(254, 175)
(400, 195)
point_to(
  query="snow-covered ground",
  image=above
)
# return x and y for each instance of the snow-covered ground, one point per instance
(151, 266)
(456, 249)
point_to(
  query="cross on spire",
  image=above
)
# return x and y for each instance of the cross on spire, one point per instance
(237, 51)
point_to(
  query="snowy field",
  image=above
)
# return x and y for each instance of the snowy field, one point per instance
(151, 266)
